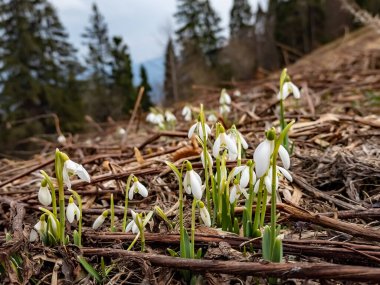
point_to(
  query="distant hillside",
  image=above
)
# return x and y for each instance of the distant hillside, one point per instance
(155, 69)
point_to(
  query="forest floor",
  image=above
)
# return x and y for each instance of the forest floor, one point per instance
(329, 214)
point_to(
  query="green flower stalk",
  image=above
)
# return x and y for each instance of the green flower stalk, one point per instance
(112, 228)
(130, 177)
(60, 159)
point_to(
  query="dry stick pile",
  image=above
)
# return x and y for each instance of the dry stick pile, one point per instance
(329, 212)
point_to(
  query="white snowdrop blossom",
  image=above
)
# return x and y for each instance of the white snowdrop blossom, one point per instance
(72, 211)
(287, 89)
(132, 225)
(210, 161)
(262, 155)
(186, 113)
(224, 109)
(197, 128)
(120, 131)
(235, 134)
(169, 116)
(236, 191)
(224, 99)
(61, 139)
(100, 220)
(72, 168)
(33, 235)
(192, 184)
(279, 171)
(40, 228)
(224, 141)
(155, 118)
(205, 215)
(44, 196)
(284, 155)
(237, 93)
(244, 178)
(137, 187)
(212, 118)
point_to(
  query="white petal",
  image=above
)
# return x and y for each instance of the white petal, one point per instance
(231, 146)
(188, 117)
(285, 173)
(233, 194)
(40, 226)
(142, 190)
(244, 179)
(186, 183)
(196, 187)
(70, 212)
(83, 174)
(205, 216)
(208, 130)
(216, 147)
(284, 155)
(261, 157)
(134, 215)
(44, 196)
(135, 228)
(268, 183)
(296, 91)
(33, 236)
(238, 169)
(129, 226)
(98, 222)
(243, 141)
(191, 130)
(132, 191)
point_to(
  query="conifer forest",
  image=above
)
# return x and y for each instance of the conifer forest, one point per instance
(236, 143)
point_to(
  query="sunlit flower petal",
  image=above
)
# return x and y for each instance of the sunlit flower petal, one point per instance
(191, 130)
(233, 194)
(72, 168)
(44, 196)
(72, 212)
(142, 190)
(285, 173)
(210, 161)
(205, 216)
(284, 155)
(196, 186)
(261, 157)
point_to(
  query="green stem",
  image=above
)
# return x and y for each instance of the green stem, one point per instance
(273, 216)
(79, 201)
(251, 194)
(112, 214)
(258, 207)
(133, 242)
(264, 208)
(52, 190)
(193, 228)
(282, 122)
(124, 225)
(206, 159)
(142, 239)
(62, 217)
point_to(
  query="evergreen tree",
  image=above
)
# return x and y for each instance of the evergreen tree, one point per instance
(240, 18)
(97, 40)
(170, 80)
(144, 82)
(123, 93)
(37, 67)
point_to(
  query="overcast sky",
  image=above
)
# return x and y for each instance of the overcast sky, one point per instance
(143, 24)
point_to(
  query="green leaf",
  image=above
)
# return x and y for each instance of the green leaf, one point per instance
(174, 169)
(172, 252)
(236, 226)
(277, 254)
(266, 244)
(91, 270)
(199, 253)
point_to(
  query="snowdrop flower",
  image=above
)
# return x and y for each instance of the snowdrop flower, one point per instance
(224, 99)
(212, 118)
(262, 155)
(236, 191)
(33, 235)
(155, 118)
(61, 139)
(237, 93)
(72, 211)
(39, 228)
(192, 182)
(286, 173)
(284, 155)
(268, 179)
(224, 141)
(210, 161)
(72, 168)
(169, 116)
(120, 131)
(100, 220)
(287, 89)
(244, 178)
(205, 215)
(137, 187)
(186, 113)
(197, 128)
(132, 225)
(235, 134)
(44, 195)
(224, 109)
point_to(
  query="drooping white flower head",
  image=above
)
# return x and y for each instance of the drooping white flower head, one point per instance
(284, 155)
(237, 136)
(192, 183)
(132, 225)
(120, 131)
(100, 220)
(279, 171)
(72, 211)
(61, 139)
(224, 99)
(287, 89)
(72, 168)
(137, 187)
(205, 215)
(286, 173)
(169, 116)
(224, 109)
(198, 130)
(186, 113)
(155, 118)
(212, 118)
(40, 228)
(262, 155)
(236, 191)
(44, 195)
(237, 93)
(210, 161)
(224, 141)
(244, 178)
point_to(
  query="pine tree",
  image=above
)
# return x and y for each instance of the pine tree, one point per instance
(144, 82)
(240, 18)
(123, 94)
(170, 80)
(97, 40)
(38, 66)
